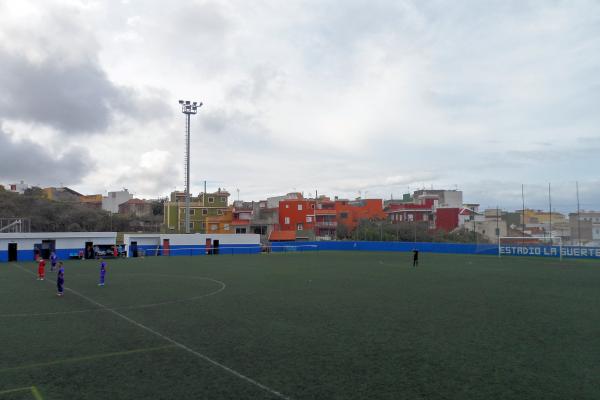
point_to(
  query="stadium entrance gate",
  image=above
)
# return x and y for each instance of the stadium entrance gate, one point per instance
(216, 246)
(12, 252)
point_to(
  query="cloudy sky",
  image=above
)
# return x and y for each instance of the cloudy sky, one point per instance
(347, 97)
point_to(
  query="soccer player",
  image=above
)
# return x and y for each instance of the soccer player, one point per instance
(60, 279)
(102, 272)
(41, 269)
(53, 260)
(415, 257)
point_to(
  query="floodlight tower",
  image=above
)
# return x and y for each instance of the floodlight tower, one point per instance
(188, 108)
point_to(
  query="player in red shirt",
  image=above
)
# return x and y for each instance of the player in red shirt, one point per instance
(41, 269)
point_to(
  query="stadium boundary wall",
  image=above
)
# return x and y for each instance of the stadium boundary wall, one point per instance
(444, 248)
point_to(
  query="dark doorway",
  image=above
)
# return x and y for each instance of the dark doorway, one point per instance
(134, 249)
(215, 247)
(89, 250)
(12, 252)
(48, 246)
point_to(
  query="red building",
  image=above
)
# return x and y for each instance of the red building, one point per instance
(412, 212)
(446, 218)
(425, 209)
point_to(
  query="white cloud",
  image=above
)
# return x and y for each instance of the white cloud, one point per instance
(333, 96)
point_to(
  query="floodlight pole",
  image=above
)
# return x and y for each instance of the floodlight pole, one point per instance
(188, 108)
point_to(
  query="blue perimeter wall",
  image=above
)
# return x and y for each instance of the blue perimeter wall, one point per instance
(450, 248)
(447, 248)
(196, 250)
(28, 255)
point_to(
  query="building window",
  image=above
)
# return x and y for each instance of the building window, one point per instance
(204, 211)
(309, 218)
(312, 206)
(287, 206)
(344, 215)
(223, 199)
(410, 217)
(299, 207)
(211, 199)
(219, 212)
(226, 227)
(299, 227)
(214, 227)
(192, 211)
(286, 220)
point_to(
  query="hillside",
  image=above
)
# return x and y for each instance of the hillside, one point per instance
(54, 216)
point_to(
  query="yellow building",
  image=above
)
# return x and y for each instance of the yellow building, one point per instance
(209, 213)
(92, 200)
(541, 217)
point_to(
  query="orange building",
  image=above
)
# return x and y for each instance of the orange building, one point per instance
(220, 223)
(322, 216)
(296, 214)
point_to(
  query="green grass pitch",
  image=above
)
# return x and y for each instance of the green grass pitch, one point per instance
(322, 325)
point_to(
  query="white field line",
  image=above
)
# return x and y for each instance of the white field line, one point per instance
(176, 343)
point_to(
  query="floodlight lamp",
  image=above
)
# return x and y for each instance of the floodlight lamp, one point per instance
(180, 101)
(187, 103)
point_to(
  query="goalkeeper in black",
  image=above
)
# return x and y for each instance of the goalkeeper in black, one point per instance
(415, 257)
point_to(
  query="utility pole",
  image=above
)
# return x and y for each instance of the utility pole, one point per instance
(578, 217)
(550, 207)
(523, 215)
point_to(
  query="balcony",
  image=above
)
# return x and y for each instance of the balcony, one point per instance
(326, 224)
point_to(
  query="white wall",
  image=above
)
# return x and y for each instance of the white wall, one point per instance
(64, 240)
(191, 239)
(112, 201)
(142, 239)
(453, 199)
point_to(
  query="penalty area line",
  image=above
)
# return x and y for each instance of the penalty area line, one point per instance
(176, 343)
(32, 389)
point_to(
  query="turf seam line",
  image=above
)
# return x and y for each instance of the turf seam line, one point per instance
(135, 307)
(21, 389)
(176, 343)
(88, 358)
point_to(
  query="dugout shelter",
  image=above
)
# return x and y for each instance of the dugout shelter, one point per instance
(28, 246)
(147, 244)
